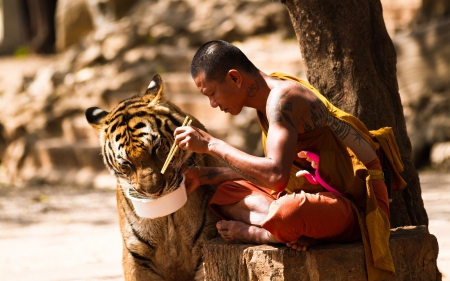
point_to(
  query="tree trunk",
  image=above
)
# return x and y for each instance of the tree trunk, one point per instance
(350, 58)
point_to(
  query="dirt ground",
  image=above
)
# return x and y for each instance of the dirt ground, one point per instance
(56, 233)
(59, 233)
(436, 195)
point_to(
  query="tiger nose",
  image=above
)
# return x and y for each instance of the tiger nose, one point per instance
(150, 182)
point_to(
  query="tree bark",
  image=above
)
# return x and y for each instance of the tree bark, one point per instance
(350, 58)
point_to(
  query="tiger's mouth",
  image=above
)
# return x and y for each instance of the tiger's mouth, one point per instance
(172, 184)
(171, 181)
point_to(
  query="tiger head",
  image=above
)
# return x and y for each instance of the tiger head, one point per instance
(136, 137)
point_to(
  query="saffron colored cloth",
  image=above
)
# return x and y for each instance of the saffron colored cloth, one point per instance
(323, 215)
(340, 168)
(305, 209)
(389, 149)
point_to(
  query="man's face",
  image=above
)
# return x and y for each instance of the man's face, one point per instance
(225, 95)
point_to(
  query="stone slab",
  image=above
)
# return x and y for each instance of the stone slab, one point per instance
(413, 248)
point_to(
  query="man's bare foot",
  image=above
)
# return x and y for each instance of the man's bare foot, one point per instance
(236, 231)
(303, 243)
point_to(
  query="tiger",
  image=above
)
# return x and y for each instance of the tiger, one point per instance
(135, 139)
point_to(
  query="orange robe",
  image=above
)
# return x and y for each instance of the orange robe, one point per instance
(302, 211)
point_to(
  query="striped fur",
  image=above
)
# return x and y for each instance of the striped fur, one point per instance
(135, 139)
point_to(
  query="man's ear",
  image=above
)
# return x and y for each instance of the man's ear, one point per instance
(235, 76)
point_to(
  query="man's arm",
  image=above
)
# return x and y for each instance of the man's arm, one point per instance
(271, 171)
(353, 140)
(197, 176)
(217, 175)
(283, 113)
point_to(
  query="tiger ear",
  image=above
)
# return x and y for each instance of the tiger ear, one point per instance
(155, 90)
(95, 117)
(155, 95)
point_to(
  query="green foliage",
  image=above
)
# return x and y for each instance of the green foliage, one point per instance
(22, 52)
(150, 40)
(160, 69)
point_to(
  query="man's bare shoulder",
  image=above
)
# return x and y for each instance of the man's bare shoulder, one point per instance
(284, 103)
(294, 104)
(289, 92)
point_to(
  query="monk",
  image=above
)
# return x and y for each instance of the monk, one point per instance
(260, 199)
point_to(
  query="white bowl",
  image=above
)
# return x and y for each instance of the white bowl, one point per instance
(161, 206)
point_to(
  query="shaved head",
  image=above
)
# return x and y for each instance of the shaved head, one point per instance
(216, 58)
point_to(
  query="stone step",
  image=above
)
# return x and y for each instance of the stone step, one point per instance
(413, 249)
(179, 83)
(198, 106)
(59, 154)
(57, 161)
(269, 54)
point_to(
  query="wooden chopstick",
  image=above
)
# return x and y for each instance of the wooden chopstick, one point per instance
(174, 148)
(169, 157)
(186, 119)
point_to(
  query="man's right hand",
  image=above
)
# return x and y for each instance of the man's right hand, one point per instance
(192, 138)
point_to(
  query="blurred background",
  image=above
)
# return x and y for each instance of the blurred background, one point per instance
(59, 57)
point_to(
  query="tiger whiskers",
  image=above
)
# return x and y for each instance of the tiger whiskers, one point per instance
(125, 186)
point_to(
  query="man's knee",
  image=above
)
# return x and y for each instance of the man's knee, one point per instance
(317, 216)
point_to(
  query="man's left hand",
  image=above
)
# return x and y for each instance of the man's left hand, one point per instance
(192, 178)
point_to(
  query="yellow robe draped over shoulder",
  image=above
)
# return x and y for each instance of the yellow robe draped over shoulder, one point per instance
(340, 168)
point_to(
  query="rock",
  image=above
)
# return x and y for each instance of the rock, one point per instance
(72, 22)
(106, 60)
(15, 152)
(440, 156)
(413, 249)
(423, 65)
(117, 43)
(89, 56)
(11, 26)
(102, 65)
(76, 18)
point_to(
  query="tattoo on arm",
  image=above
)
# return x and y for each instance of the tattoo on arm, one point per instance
(343, 130)
(340, 128)
(214, 173)
(306, 126)
(279, 110)
(244, 175)
(319, 115)
(358, 137)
